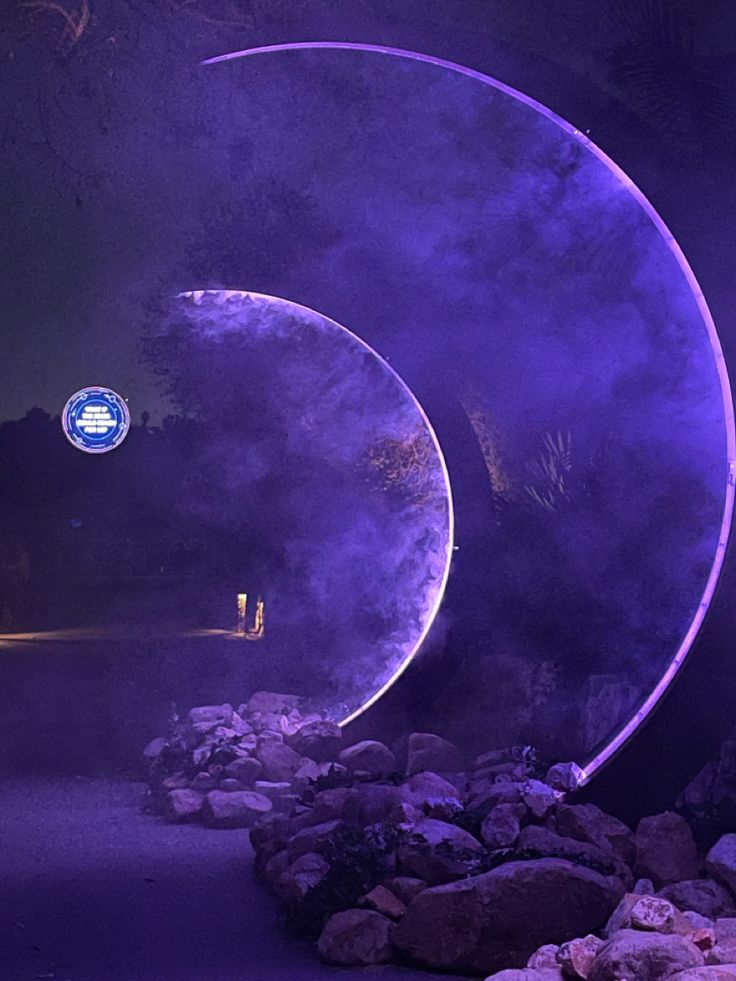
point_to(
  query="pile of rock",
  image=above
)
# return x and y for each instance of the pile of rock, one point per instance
(228, 767)
(449, 866)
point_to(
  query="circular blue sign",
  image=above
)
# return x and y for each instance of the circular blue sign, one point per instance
(95, 420)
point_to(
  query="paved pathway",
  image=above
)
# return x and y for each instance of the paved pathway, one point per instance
(93, 890)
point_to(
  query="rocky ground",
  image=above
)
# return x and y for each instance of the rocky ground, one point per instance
(420, 857)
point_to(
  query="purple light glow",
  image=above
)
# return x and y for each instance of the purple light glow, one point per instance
(625, 732)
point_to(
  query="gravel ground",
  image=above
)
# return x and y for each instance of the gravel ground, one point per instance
(91, 889)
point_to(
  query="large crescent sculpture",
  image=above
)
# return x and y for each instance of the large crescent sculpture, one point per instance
(539, 308)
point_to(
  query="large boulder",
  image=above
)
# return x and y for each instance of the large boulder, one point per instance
(704, 896)
(235, 810)
(280, 762)
(665, 849)
(369, 756)
(501, 917)
(430, 752)
(245, 769)
(319, 740)
(439, 852)
(721, 861)
(640, 956)
(356, 937)
(586, 822)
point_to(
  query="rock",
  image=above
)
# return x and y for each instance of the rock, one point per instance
(439, 852)
(645, 887)
(725, 972)
(154, 749)
(183, 805)
(492, 758)
(270, 828)
(434, 796)
(320, 740)
(653, 913)
(576, 956)
(430, 752)
(318, 838)
(236, 810)
(245, 769)
(697, 921)
(303, 874)
(280, 762)
(528, 974)
(272, 790)
(704, 896)
(269, 725)
(484, 797)
(384, 901)
(205, 718)
(704, 939)
(665, 849)
(285, 804)
(502, 825)
(500, 917)
(544, 956)
(406, 887)
(723, 951)
(640, 956)
(372, 803)
(310, 772)
(564, 776)
(547, 843)
(203, 782)
(272, 702)
(356, 937)
(369, 756)
(276, 866)
(230, 786)
(620, 919)
(586, 822)
(176, 782)
(239, 726)
(539, 798)
(721, 861)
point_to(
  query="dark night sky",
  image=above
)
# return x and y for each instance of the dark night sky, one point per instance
(95, 191)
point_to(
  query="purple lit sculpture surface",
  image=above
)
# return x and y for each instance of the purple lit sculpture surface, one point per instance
(540, 309)
(316, 480)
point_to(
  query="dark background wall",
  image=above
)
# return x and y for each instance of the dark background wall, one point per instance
(652, 83)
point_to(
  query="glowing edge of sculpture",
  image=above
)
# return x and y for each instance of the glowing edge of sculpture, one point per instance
(625, 733)
(440, 455)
